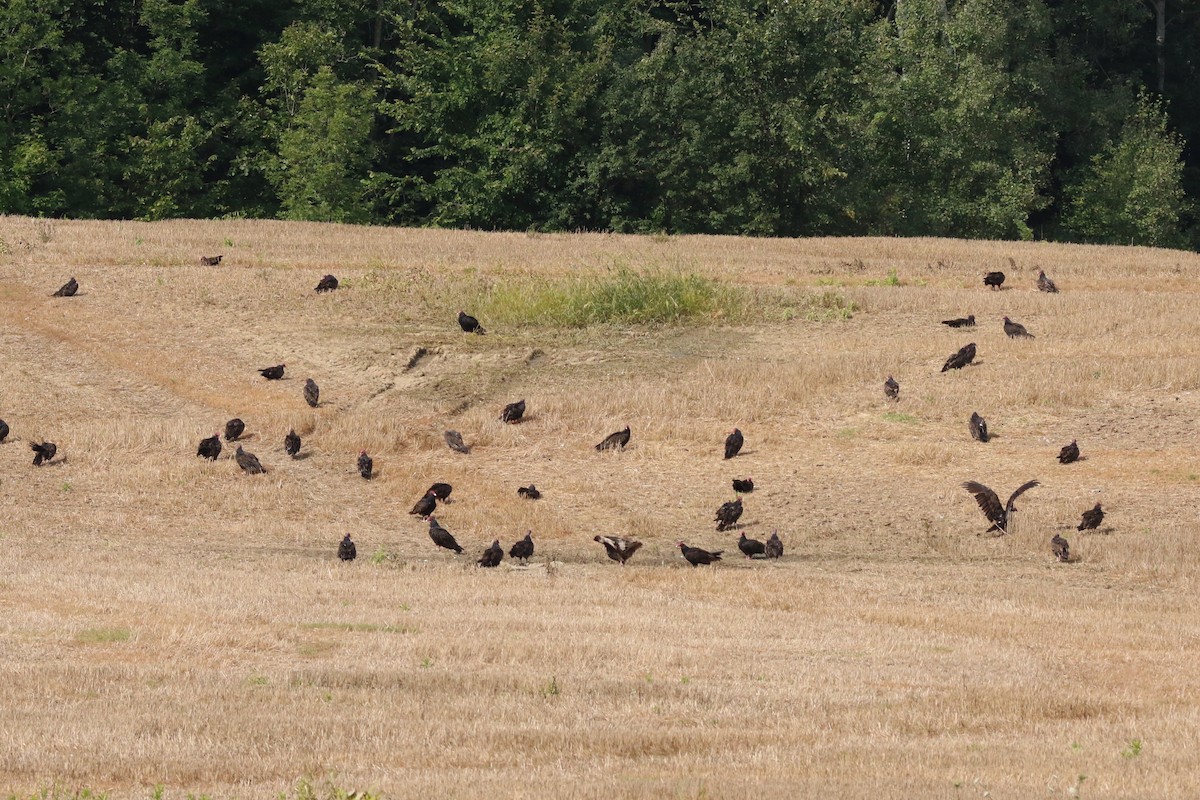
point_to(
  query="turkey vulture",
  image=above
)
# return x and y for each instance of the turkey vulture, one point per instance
(961, 322)
(1069, 453)
(3, 430)
(210, 261)
(346, 550)
(425, 506)
(272, 373)
(960, 359)
(234, 429)
(492, 556)
(978, 426)
(891, 389)
(523, 550)
(774, 546)
(993, 279)
(312, 393)
(441, 537)
(743, 487)
(1044, 284)
(529, 492)
(454, 442)
(618, 549)
(695, 556)
(248, 462)
(513, 412)
(728, 514)
(210, 448)
(42, 453)
(68, 289)
(441, 491)
(327, 284)
(1016, 329)
(616, 440)
(291, 443)
(1091, 519)
(750, 547)
(989, 503)
(1062, 550)
(733, 443)
(469, 324)
(365, 464)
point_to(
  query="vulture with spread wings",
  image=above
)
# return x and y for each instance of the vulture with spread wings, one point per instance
(989, 503)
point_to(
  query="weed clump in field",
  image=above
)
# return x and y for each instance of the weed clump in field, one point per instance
(619, 297)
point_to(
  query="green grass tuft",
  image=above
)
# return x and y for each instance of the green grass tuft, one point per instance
(618, 297)
(103, 635)
(896, 416)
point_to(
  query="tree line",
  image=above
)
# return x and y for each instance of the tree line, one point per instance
(1017, 119)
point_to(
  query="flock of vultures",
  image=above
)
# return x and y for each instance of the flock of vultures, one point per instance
(618, 549)
(1000, 516)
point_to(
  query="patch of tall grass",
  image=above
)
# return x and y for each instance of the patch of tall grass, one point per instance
(617, 297)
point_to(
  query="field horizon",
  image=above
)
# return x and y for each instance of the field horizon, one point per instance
(172, 622)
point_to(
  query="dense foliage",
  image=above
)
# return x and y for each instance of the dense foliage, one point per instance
(981, 118)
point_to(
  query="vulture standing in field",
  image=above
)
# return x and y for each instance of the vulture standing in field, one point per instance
(743, 486)
(43, 453)
(695, 556)
(493, 555)
(441, 537)
(469, 324)
(210, 261)
(989, 503)
(1069, 453)
(513, 412)
(618, 549)
(272, 373)
(529, 492)
(1060, 548)
(346, 550)
(993, 279)
(774, 546)
(454, 441)
(68, 289)
(365, 464)
(248, 462)
(327, 284)
(1015, 330)
(234, 429)
(728, 514)
(891, 389)
(523, 550)
(291, 443)
(312, 393)
(616, 440)
(733, 443)
(978, 426)
(1091, 519)
(960, 359)
(961, 322)
(1044, 284)
(210, 448)
(424, 507)
(3, 430)
(750, 547)
(441, 491)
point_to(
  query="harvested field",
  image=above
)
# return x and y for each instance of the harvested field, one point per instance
(170, 621)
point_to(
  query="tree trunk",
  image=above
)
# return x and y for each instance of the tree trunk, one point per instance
(377, 34)
(1160, 41)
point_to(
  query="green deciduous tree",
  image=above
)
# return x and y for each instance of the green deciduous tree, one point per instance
(1132, 191)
